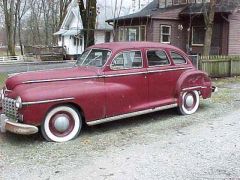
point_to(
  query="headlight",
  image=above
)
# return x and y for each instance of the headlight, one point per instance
(1, 95)
(18, 103)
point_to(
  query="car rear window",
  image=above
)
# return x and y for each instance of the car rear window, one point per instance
(177, 58)
(157, 58)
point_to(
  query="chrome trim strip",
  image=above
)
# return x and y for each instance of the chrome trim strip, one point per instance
(114, 118)
(127, 74)
(147, 72)
(7, 91)
(214, 89)
(101, 76)
(47, 101)
(196, 87)
(63, 79)
(168, 70)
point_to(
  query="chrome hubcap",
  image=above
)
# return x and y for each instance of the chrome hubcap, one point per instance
(61, 124)
(189, 101)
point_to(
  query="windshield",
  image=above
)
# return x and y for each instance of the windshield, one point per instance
(94, 57)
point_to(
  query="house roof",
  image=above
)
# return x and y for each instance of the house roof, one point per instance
(72, 32)
(152, 10)
(72, 24)
(145, 12)
(168, 13)
(224, 6)
(61, 31)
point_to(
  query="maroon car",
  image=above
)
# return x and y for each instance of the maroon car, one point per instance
(109, 82)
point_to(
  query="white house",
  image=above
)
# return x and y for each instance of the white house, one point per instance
(71, 35)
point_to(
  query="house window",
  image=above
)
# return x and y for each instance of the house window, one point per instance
(191, 1)
(107, 36)
(134, 33)
(162, 3)
(60, 37)
(143, 33)
(77, 41)
(183, 1)
(169, 3)
(176, 2)
(198, 34)
(121, 34)
(165, 34)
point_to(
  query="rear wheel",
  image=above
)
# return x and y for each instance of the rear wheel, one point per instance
(189, 102)
(61, 124)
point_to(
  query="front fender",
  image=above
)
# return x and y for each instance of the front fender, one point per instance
(88, 95)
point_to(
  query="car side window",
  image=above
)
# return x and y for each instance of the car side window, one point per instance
(177, 58)
(157, 58)
(127, 60)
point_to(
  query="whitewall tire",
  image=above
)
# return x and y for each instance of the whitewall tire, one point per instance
(189, 103)
(61, 124)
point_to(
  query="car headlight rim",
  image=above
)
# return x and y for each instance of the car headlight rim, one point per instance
(18, 103)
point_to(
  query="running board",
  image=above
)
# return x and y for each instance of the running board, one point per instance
(123, 116)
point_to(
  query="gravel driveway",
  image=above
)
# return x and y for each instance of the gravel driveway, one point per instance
(161, 145)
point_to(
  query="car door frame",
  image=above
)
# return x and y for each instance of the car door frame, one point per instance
(158, 94)
(123, 82)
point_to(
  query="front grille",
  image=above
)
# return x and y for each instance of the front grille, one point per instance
(9, 108)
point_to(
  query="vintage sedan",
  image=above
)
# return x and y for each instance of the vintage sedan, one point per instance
(109, 82)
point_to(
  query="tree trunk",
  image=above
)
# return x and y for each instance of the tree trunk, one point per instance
(209, 23)
(88, 15)
(9, 25)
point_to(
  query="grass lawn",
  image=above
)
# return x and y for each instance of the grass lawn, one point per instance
(3, 77)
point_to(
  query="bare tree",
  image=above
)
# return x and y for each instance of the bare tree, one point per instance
(9, 12)
(88, 14)
(32, 22)
(21, 11)
(63, 10)
(209, 15)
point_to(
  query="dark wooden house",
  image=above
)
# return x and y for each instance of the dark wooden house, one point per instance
(181, 23)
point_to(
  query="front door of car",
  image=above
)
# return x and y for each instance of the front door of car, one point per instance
(161, 78)
(126, 84)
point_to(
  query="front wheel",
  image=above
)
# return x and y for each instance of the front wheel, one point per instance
(61, 124)
(189, 103)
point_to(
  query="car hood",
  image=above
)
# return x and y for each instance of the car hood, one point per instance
(51, 76)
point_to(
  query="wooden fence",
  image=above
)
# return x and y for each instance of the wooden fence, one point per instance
(220, 66)
(7, 59)
(43, 53)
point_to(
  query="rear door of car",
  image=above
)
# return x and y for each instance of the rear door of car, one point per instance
(161, 78)
(126, 83)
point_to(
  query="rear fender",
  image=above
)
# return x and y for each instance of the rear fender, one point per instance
(194, 80)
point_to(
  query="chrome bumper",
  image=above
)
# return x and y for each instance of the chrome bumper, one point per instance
(214, 89)
(16, 128)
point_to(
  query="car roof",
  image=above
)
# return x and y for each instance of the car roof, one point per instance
(116, 46)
